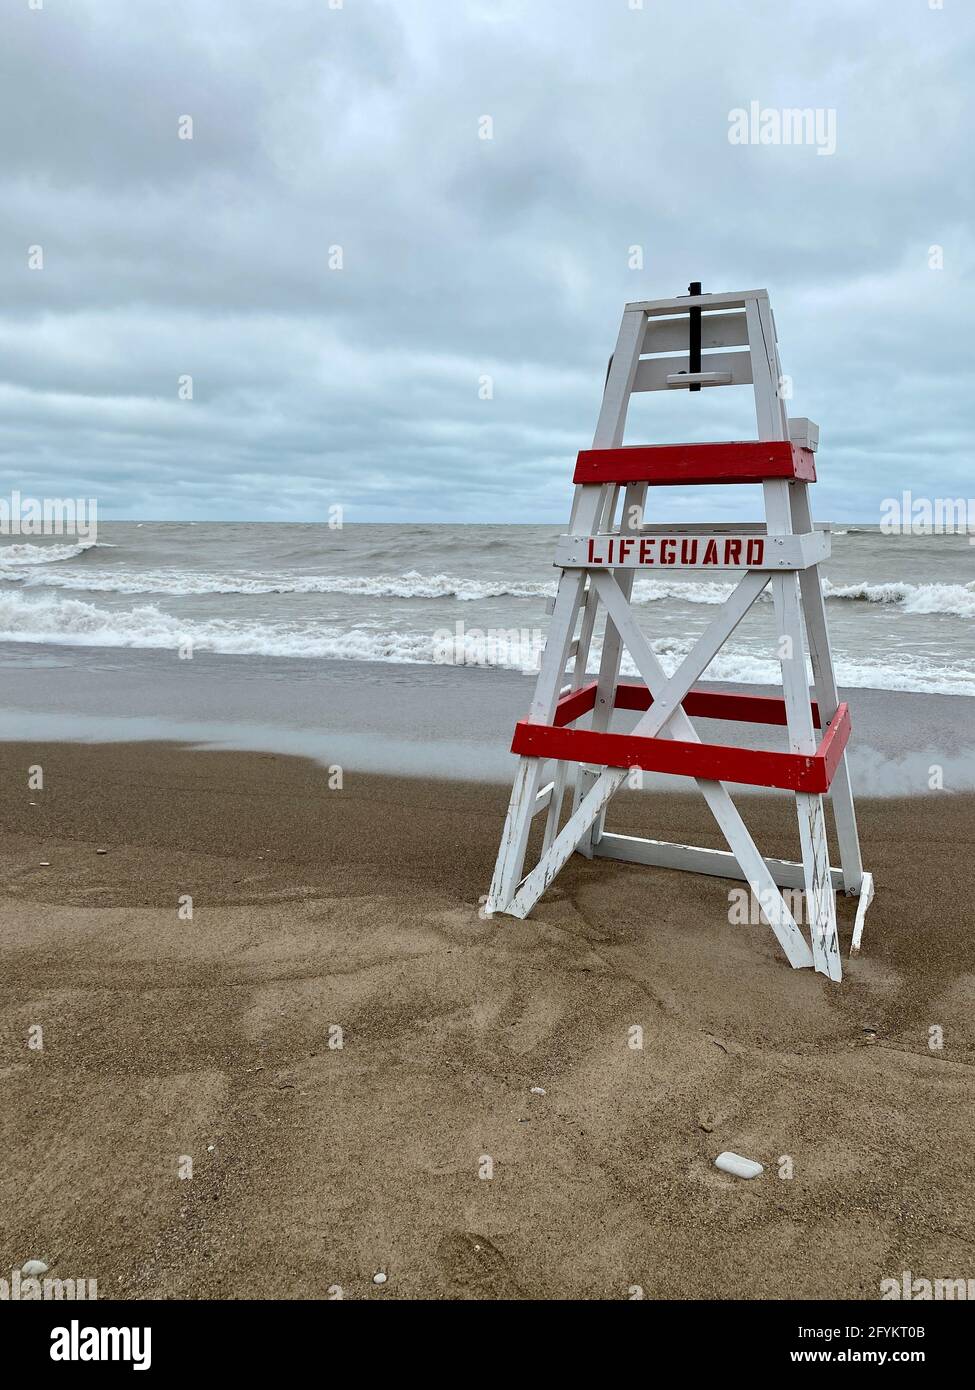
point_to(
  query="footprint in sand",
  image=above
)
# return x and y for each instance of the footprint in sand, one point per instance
(473, 1262)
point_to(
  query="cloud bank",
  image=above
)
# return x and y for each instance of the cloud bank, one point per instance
(339, 261)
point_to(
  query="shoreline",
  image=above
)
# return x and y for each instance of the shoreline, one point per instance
(358, 909)
(406, 719)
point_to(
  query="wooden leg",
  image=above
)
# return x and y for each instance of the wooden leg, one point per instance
(606, 515)
(634, 504)
(827, 697)
(514, 838)
(521, 807)
(866, 898)
(820, 901)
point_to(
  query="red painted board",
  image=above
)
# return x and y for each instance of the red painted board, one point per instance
(715, 761)
(707, 704)
(742, 461)
(575, 704)
(715, 704)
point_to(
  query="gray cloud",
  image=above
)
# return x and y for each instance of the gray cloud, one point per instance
(359, 127)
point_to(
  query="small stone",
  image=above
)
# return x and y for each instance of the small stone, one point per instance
(210, 1148)
(44, 864)
(33, 1268)
(738, 1166)
(538, 1090)
(101, 851)
(379, 1277)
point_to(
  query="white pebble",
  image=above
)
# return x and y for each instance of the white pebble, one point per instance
(379, 1278)
(736, 1165)
(538, 1090)
(34, 1267)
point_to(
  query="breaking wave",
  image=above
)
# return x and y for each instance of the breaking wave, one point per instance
(32, 561)
(955, 599)
(908, 673)
(182, 582)
(23, 553)
(73, 622)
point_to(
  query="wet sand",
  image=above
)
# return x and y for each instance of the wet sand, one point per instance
(315, 1166)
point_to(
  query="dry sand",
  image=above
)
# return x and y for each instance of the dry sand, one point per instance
(315, 1166)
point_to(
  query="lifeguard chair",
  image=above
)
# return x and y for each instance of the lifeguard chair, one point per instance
(661, 347)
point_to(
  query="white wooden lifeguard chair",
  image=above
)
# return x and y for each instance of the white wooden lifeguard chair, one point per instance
(604, 549)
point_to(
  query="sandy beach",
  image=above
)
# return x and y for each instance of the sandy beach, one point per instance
(315, 1166)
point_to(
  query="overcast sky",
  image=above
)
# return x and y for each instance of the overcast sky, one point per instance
(462, 257)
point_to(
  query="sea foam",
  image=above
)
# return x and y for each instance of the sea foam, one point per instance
(57, 620)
